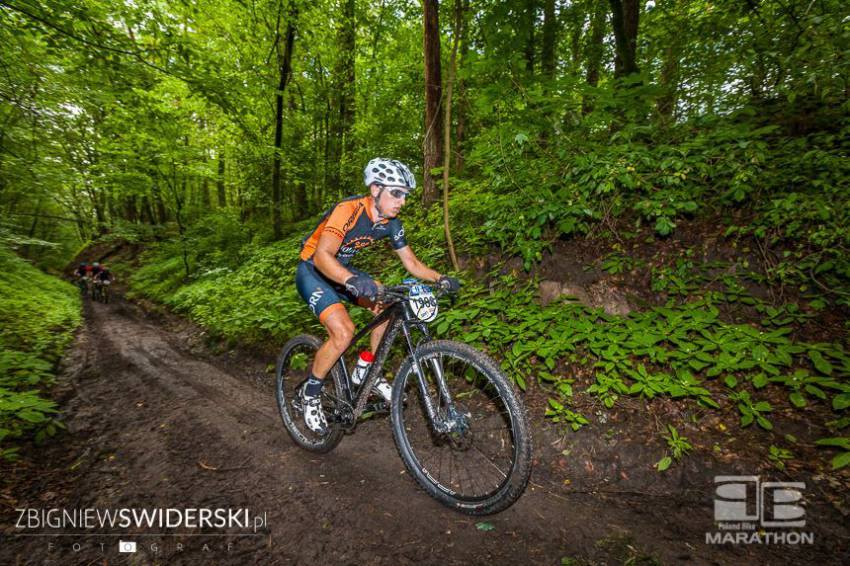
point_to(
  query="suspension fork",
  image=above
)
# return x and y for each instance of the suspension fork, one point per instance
(440, 424)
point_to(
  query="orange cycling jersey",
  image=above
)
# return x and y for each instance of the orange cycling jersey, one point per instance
(350, 220)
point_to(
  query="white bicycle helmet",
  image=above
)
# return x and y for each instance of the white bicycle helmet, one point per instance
(388, 173)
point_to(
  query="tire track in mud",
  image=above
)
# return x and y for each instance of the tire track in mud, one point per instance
(154, 426)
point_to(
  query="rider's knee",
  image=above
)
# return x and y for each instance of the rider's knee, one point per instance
(341, 334)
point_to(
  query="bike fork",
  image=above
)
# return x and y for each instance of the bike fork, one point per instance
(441, 424)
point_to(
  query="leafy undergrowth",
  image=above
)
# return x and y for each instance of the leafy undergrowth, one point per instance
(38, 316)
(683, 350)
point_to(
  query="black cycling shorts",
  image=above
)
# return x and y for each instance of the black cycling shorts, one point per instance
(322, 295)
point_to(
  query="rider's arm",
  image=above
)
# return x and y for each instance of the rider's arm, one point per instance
(416, 267)
(325, 258)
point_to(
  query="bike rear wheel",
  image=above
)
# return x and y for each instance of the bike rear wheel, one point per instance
(484, 466)
(293, 368)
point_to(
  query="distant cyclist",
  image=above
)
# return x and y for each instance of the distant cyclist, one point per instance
(104, 275)
(81, 273)
(102, 281)
(325, 277)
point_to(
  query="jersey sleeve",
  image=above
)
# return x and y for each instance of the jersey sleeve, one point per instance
(397, 234)
(342, 218)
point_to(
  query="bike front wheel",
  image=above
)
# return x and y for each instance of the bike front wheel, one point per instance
(293, 369)
(483, 464)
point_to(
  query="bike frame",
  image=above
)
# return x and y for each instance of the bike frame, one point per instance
(399, 317)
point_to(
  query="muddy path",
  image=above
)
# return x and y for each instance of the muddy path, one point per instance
(154, 425)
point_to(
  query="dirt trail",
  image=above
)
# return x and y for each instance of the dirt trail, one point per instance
(155, 426)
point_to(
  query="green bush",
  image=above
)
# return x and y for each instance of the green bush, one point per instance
(38, 315)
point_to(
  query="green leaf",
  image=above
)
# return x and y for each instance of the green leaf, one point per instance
(816, 391)
(840, 442)
(664, 226)
(841, 402)
(32, 416)
(797, 400)
(841, 461)
(664, 463)
(520, 381)
(759, 381)
(730, 381)
(820, 363)
(764, 423)
(484, 526)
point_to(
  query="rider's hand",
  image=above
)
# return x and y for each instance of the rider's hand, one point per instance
(449, 284)
(362, 286)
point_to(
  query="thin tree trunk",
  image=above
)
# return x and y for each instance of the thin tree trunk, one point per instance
(161, 212)
(285, 68)
(669, 79)
(594, 53)
(530, 17)
(433, 93)
(447, 131)
(577, 27)
(33, 226)
(222, 196)
(147, 210)
(547, 54)
(461, 92)
(625, 16)
(345, 79)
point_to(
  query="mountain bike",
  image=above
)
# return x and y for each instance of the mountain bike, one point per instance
(96, 290)
(83, 285)
(458, 423)
(104, 291)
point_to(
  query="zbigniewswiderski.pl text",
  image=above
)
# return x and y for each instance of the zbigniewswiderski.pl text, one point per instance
(43, 520)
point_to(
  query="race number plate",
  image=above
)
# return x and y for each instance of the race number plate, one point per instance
(423, 303)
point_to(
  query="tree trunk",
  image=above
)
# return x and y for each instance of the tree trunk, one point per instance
(130, 212)
(625, 16)
(222, 196)
(433, 93)
(344, 90)
(550, 25)
(147, 210)
(461, 92)
(161, 212)
(530, 18)
(285, 69)
(594, 53)
(669, 83)
(447, 130)
(577, 22)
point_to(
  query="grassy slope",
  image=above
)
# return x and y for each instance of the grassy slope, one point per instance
(38, 316)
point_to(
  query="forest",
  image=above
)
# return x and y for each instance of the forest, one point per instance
(647, 202)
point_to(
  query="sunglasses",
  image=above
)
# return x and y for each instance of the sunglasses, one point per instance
(398, 193)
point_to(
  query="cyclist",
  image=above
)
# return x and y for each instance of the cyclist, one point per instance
(105, 274)
(325, 278)
(81, 273)
(103, 279)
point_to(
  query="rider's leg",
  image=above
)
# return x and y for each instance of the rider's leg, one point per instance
(381, 385)
(340, 332)
(378, 331)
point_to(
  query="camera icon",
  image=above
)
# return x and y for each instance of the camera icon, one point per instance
(126, 546)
